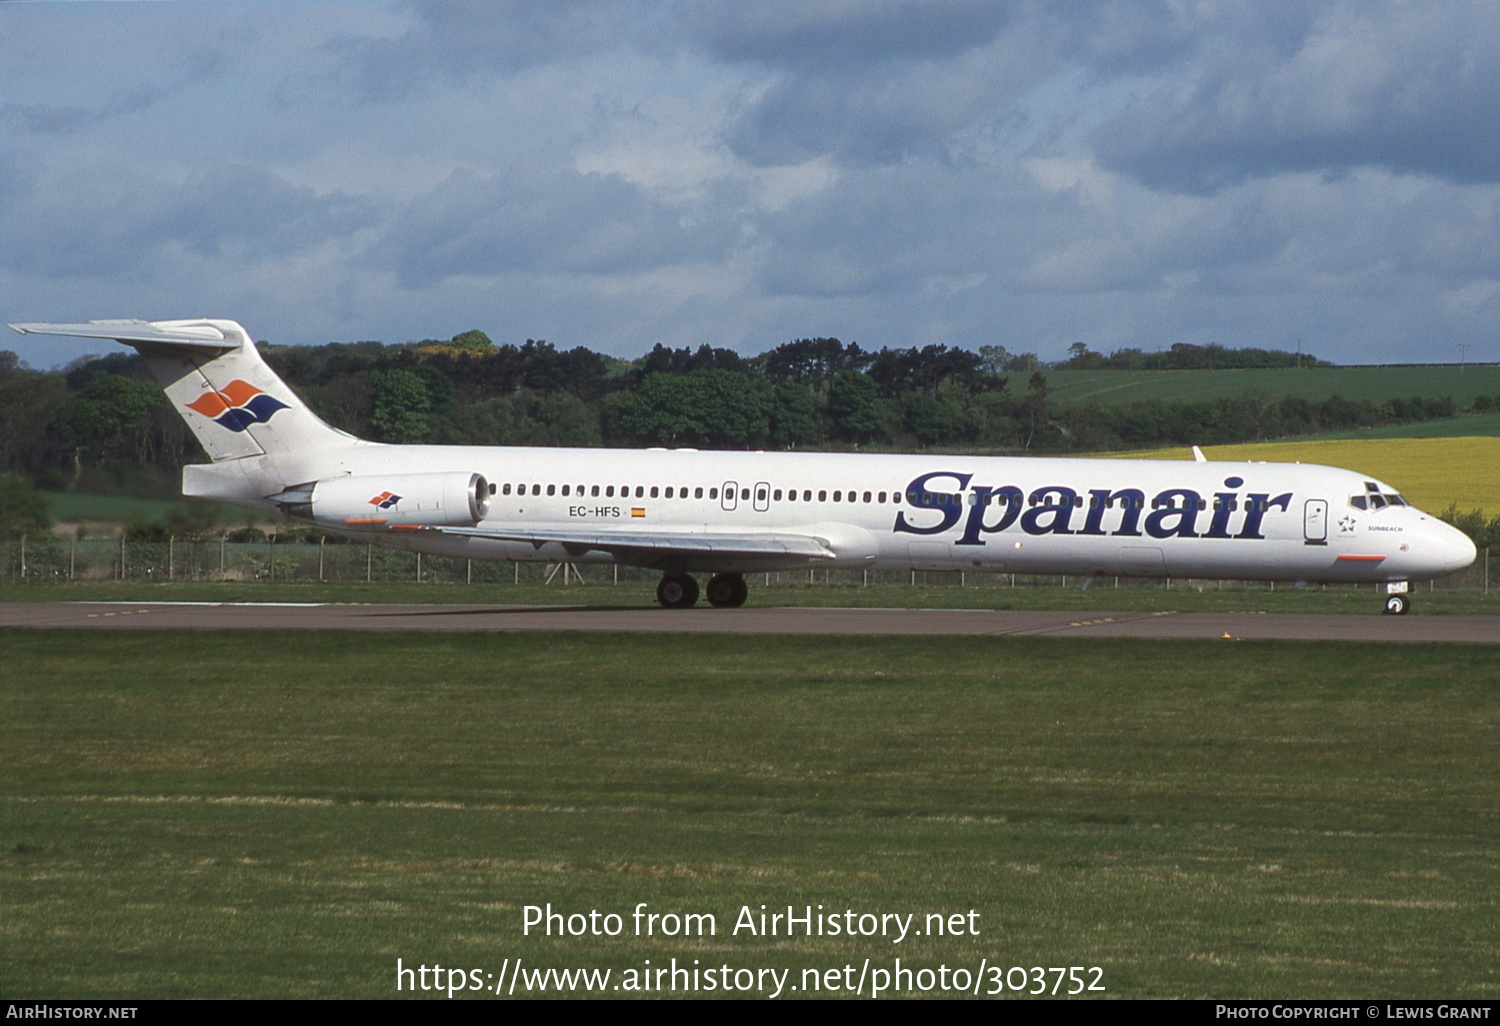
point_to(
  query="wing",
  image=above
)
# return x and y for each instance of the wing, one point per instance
(659, 546)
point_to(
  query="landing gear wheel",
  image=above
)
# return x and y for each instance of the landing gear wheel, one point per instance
(1396, 605)
(677, 591)
(727, 591)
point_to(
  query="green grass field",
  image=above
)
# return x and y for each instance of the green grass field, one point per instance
(1475, 425)
(1076, 388)
(982, 592)
(199, 816)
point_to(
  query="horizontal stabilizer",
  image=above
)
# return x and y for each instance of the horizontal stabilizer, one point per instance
(192, 334)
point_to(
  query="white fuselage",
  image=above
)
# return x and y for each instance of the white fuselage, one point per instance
(1251, 521)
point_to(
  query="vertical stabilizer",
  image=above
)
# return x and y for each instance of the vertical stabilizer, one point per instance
(232, 401)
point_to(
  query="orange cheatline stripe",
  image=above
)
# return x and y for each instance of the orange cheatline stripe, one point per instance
(357, 523)
(404, 527)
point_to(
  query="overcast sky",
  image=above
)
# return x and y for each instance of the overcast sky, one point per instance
(615, 174)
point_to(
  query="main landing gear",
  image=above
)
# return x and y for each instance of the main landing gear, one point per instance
(680, 591)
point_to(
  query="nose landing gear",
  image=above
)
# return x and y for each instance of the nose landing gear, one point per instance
(1396, 605)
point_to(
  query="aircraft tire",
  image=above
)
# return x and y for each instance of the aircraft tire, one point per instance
(677, 591)
(727, 591)
(1396, 605)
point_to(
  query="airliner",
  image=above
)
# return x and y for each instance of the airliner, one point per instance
(725, 514)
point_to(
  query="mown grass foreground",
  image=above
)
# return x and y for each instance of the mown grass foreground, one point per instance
(985, 592)
(201, 816)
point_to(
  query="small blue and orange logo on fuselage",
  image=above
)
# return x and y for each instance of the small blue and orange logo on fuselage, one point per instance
(237, 405)
(385, 500)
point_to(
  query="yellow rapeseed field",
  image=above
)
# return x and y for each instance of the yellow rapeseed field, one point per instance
(1432, 473)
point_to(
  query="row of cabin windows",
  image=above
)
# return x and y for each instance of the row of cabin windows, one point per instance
(673, 492)
(926, 499)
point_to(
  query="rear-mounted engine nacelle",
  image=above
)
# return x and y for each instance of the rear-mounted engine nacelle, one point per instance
(390, 500)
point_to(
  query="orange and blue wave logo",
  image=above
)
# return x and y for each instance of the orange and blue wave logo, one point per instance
(237, 405)
(385, 500)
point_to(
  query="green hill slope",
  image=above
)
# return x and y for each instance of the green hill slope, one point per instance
(1075, 388)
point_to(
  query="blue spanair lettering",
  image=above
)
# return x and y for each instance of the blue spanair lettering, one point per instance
(1132, 501)
(984, 499)
(1258, 505)
(1056, 503)
(1182, 507)
(1174, 511)
(1225, 503)
(920, 495)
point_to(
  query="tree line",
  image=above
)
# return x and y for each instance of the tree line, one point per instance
(102, 424)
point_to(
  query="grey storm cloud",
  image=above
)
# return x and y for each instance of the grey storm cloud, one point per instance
(1122, 171)
(818, 34)
(1408, 88)
(452, 41)
(117, 224)
(545, 222)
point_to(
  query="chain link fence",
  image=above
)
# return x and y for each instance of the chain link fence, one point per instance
(313, 558)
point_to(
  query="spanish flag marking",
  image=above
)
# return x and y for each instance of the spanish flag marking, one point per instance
(637, 511)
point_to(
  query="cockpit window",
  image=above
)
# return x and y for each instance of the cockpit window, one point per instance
(1374, 498)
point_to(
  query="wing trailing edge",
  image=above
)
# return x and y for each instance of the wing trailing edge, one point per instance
(677, 543)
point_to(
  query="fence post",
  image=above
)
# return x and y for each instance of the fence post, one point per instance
(369, 562)
(272, 539)
(73, 544)
(171, 551)
(122, 555)
(419, 568)
(321, 540)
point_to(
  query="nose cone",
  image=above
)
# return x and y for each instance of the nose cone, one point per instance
(1451, 548)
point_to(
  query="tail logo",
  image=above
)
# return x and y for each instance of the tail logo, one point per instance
(385, 500)
(238, 405)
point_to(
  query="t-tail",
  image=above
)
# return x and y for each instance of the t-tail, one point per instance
(255, 429)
